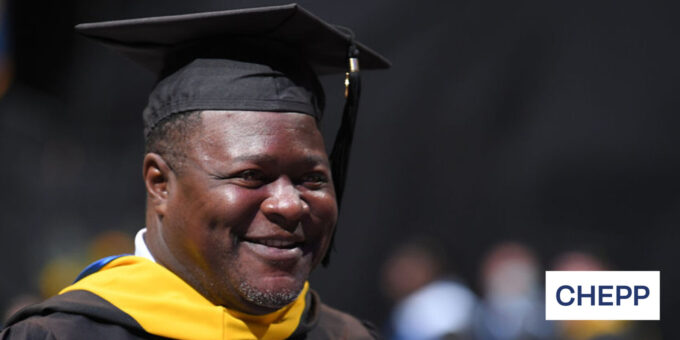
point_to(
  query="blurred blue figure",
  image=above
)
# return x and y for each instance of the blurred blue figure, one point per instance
(513, 306)
(428, 304)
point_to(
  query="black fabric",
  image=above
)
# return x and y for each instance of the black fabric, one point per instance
(321, 322)
(225, 84)
(83, 315)
(269, 58)
(74, 315)
(150, 41)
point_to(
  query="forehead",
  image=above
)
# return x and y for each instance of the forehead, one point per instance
(257, 132)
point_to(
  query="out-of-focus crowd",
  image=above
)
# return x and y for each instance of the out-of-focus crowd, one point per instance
(430, 302)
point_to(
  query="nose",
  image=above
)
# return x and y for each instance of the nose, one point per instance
(284, 206)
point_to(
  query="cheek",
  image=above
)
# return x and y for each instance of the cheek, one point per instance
(236, 208)
(324, 214)
(225, 207)
(324, 204)
(205, 221)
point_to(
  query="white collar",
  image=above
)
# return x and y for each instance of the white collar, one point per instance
(140, 246)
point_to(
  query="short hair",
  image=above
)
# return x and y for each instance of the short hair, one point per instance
(169, 137)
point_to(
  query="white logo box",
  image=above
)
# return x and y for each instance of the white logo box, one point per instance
(614, 295)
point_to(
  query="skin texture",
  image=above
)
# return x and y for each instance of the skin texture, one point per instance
(250, 178)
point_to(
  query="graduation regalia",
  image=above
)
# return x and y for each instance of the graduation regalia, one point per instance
(130, 297)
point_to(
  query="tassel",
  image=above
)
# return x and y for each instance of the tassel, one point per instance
(342, 147)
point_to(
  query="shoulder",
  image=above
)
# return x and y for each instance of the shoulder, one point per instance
(324, 322)
(60, 325)
(345, 325)
(73, 315)
(27, 329)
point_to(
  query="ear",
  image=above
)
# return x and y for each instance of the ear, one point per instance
(157, 176)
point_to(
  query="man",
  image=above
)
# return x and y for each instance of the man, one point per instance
(242, 199)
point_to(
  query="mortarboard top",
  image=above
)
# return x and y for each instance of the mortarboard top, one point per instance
(250, 52)
(148, 40)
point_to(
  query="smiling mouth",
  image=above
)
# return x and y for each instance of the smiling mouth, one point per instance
(276, 251)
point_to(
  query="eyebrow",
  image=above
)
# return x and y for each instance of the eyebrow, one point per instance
(264, 159)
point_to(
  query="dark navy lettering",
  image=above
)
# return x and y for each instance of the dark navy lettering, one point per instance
(581, 295)
(620, 296)
(559, 300)
(638, 296)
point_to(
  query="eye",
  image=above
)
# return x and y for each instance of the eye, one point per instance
(314, 180)
(250, 178)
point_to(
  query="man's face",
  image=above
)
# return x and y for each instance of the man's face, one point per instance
(252, 211)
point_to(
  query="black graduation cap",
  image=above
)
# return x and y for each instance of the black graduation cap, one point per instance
(258, 59)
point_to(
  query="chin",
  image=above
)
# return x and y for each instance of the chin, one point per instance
(266, 283)
(272, 293)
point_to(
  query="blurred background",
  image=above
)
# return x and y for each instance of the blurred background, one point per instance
(509, 138)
